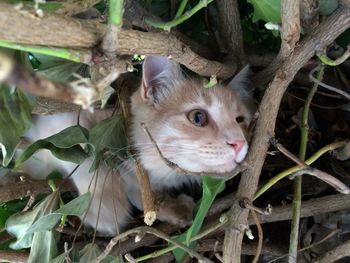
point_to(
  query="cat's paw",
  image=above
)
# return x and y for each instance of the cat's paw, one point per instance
(177, 211)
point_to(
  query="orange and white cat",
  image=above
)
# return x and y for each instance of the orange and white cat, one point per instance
(199, 129)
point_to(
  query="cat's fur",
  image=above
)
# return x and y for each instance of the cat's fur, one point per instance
(163, 102)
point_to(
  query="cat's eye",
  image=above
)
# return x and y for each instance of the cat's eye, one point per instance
(240, 119)
(198, 117)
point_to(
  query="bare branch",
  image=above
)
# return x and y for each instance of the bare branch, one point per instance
(19, 26)
(322, 36)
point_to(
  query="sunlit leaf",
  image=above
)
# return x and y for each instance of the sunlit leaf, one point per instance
(266, 10)
(211, 187)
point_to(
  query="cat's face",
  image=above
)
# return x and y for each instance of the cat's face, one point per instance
(199, 129)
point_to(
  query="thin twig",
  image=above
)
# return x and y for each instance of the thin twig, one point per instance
(330, 62)
(331, 234)
(294, 169)
(168, 25)
(325, 177)
(153, 231)
(326, 86)
(260, 240)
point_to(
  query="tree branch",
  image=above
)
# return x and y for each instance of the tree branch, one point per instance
(230, 28)
(321, 37)
(18, 26)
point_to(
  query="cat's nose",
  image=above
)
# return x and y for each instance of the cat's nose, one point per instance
(237, 145)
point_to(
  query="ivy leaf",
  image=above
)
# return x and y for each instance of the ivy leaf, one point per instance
(18, 224)
(108, 134)
(266, 10)
(43, 247)
(65, 145)
(15, 119)
(211, 187)
(75, 207)
(58, 69)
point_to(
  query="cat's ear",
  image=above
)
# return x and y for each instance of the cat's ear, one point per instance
(160, 75)
(241, 83)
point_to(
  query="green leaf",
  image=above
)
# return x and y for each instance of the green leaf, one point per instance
(108, 134)
(327, 6)
(92, 251)
(15, 119)
(44, 247)
(65, 145)
(18, 224)
(211, 187)
(266, 10)
(75, 207)
(57, 69)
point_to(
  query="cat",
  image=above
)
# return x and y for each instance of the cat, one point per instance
(199, 129)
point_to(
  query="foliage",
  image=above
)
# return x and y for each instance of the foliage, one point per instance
(106, 141)
(15, 112)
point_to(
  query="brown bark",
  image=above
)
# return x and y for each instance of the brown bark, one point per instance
(25, 188)
(60, 31)
(339, 252)
(322, 36)
(13, 256)
(230, 29)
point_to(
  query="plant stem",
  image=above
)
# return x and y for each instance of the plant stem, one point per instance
(54, 188)
(304, 129)
(76, 55)
(223, 221)
(115, 20)
(330, 62)
(181, 9)
(168, 25)
(115, 12)
(289, 171)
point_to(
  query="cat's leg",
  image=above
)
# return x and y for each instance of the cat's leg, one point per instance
(175, 210)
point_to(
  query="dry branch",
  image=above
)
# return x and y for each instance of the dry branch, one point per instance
(26, 188)
(54, 30)
(309, 208)
(321, 37)
(13, 256)
(339, 252)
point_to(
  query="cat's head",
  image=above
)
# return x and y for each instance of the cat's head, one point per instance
(200, 129)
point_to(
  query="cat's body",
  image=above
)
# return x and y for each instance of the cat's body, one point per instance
(200, 130)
